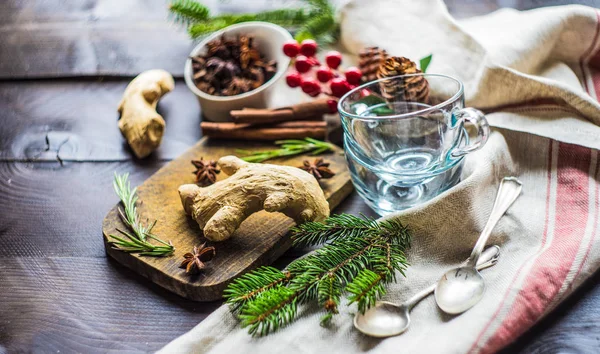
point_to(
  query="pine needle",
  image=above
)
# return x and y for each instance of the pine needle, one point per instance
(360, 256)
(188, 11)
(315, 21)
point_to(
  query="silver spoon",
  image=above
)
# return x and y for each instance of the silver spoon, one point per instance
(461, 288)
(387, 319)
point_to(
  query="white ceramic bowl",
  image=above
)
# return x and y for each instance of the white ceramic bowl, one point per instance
(269, 40)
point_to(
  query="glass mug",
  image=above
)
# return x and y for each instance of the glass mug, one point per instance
(406, 136)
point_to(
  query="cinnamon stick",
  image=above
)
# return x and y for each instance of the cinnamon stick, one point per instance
(312, 110)
(285, 130)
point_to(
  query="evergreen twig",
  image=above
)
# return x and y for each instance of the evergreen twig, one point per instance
(288, 148)
(189, 11)
(136, 241)
(360, 256)
(317, 20)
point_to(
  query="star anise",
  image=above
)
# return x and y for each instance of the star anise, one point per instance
(219, 48)
(238, 85)
(257, 77)
(221, 69)
(194, 261)
(227, 59)
(247, 52)
(206, 171)
(318, 168)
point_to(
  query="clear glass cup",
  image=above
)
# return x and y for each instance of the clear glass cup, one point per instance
(406, 136)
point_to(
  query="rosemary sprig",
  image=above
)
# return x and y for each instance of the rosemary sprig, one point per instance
(288, 148)
(136, 240)
(361, 256)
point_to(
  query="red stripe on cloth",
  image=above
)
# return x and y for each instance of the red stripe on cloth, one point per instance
(596, 81)
(594, 61)
(595, 227)
(552, 267)
(544, 237)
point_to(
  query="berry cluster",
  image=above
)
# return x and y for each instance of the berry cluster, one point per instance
(313, 77)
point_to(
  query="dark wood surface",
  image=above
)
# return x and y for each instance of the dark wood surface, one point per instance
(63, 68)
(260, 240)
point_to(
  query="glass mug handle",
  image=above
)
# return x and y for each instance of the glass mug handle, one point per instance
(477, 118)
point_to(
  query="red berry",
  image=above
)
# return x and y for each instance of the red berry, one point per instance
(339, 87)
(353, 75)
(311, 87)
(314, 93)
(333, 59)
(302, 64)
(291, 48)
(308, 47)
(293, 79)
(332, 106)
(314, 61)
(324, 74)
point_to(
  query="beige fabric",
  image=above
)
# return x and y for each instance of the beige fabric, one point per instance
(550, 238)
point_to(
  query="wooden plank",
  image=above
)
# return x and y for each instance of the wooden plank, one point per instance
(260, 240)
(76, 120)
(47, 39)
(87, 305)
(49, 210)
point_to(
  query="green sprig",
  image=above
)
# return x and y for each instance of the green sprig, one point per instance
(360, 256)
(315, 21)
(288, 148)
(189, 11)
(136, 240)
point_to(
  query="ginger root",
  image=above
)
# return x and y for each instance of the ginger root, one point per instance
(220, 208)
(141, 126)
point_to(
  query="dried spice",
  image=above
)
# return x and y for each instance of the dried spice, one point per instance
(318, 168)
(194, 261)
(412, 89)
(206, 171)
(370, 59)
(231, 66)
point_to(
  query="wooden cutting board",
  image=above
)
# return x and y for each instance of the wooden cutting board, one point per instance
(260, 240)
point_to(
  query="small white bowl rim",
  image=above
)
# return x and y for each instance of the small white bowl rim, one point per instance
(281, 67)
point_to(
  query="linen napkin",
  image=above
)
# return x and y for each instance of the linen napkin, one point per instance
(537, 74)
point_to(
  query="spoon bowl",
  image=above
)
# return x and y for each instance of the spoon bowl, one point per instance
(385, 319)
(459, 290)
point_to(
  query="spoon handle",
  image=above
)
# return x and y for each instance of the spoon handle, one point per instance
(509, 190)
(488, 258)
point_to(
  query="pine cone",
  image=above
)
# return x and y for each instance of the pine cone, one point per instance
(370, 59)
(412, 89)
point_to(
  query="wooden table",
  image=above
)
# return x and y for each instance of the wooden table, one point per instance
(63, 68)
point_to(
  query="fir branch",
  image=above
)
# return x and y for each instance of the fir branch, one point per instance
(343, 225)
(189, 11)
(277, 307)
(329, 294)
(267, 299)
(318, 26)
(288, 148)
(249, 285)
(203, 28)
(365, 289)
(135, 242)
(316, 20)
(282, 17)
(369, 285)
